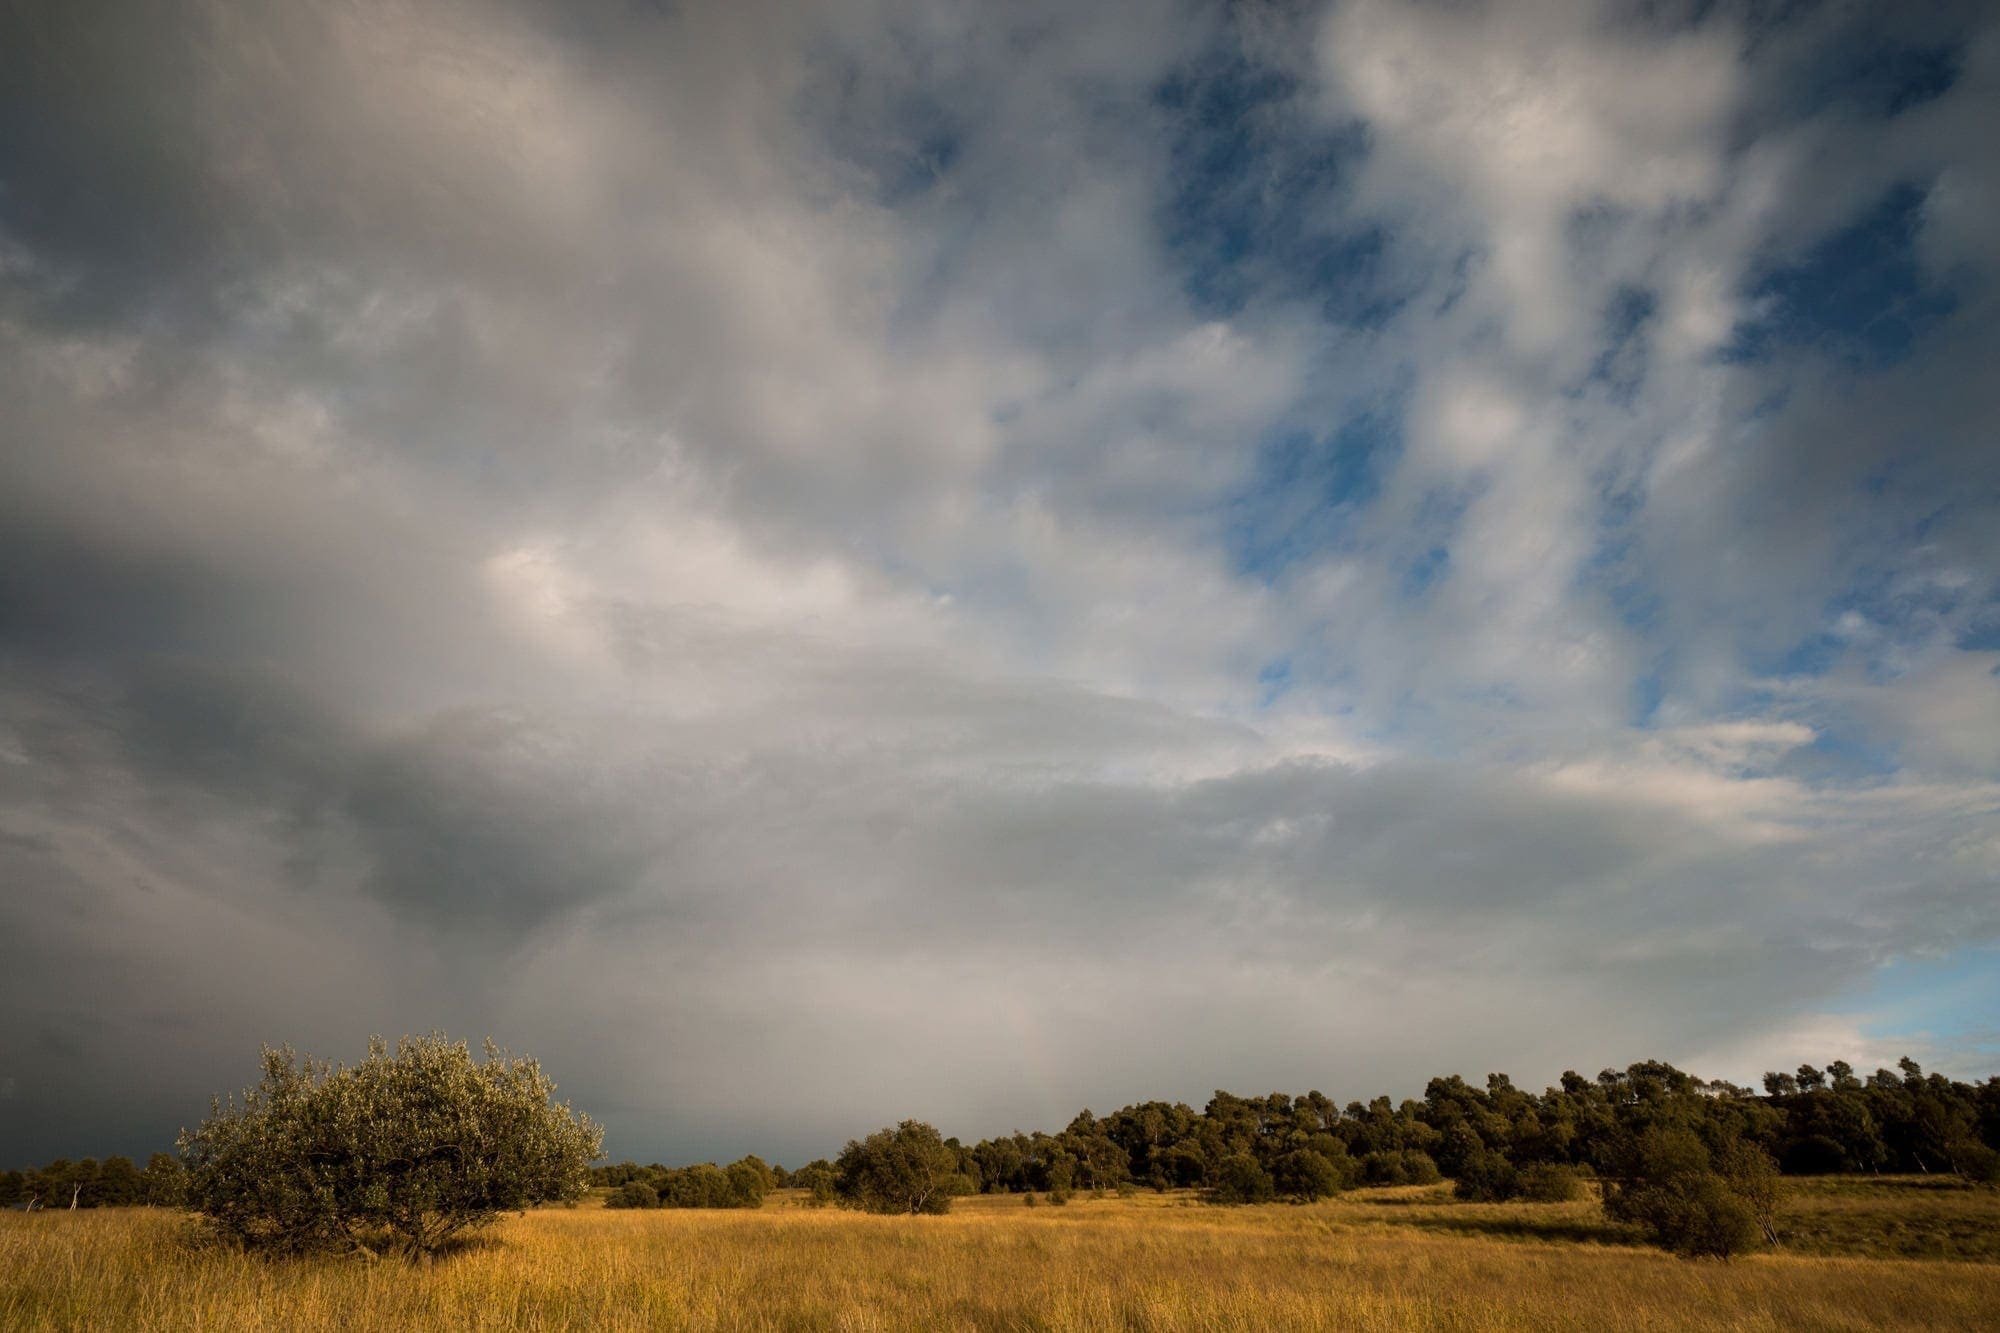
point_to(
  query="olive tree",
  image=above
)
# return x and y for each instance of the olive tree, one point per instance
(422, 1143)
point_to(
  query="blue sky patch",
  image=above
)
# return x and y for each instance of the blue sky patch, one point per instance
(1250, 195)
(1306, 492)
(1859, 296)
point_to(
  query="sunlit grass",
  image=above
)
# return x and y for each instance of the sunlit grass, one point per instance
(1371, 1260)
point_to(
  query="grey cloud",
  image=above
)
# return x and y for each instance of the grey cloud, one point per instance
(696, 541)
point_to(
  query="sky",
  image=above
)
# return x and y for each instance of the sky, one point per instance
(809, 565)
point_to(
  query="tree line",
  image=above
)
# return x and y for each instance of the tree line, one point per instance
(115, 1182)
(1811, 1122)
(1696, 1164)
(424, 1143)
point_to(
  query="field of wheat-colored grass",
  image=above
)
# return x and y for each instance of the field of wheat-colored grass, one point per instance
(1375, 1259)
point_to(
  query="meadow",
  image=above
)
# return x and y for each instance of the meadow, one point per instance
(1858, 1254)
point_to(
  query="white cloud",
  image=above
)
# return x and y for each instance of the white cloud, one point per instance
(713, 541)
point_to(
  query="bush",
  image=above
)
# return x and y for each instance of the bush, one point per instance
(1548, 1183)
(1239, 1178)
(163, 1183)
(747, 1181)
(1383, 1168)
(908, 1169)
(1409, 1167)
(703, 1185)
(424, 1144)
(1672, 1189)
(1695, 1216)
(1487, 1177)
(1305, 1175)
(634, 1194)
(1419, 1168)
(817, 1180)
(1975, 1162)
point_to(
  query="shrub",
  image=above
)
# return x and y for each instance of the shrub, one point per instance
(1672, 1189)
(1419, 1168)
(1305, 1175)
(1486, 1177)
(163, 1183)
(817, 1180)
(747, 1181)
(1547, 1183)
(1975, 1162)
(634, 1194)
(1239, 1178)
(1409, 1167)
(1696, 1216)
(703, 1185)
(908, 1169)
(1384, 1168)
(425, 1144)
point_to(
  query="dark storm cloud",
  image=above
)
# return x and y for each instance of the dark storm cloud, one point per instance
(908, 551)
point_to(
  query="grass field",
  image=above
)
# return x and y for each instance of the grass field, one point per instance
(1374, 1259)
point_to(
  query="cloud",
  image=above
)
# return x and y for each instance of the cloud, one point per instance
(974, 563)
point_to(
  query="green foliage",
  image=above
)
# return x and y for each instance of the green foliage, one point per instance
(908, 1169)
(634, 1194)
(703, 1185)
(1545, 1182)
(163, 1183)
(768, 1176)
(818, 1180)
(1409, 1167)
(746, 1180)
(424, 1143)
(1672, 1189)
(1487, 1177)
(1305, 1175)
(1242, 1179)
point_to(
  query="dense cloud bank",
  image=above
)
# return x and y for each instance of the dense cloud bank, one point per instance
(815, 563)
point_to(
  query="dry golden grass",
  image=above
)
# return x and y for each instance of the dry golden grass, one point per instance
(1372, 1260)
(1910, 1217)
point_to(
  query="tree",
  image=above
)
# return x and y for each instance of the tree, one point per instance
(163, 1183)
(908, 1169)
(1305, 1175)
(1546, 1182)
(1753, 1177)
(634, 1194)
(817, 1179)
(748, 1179)
(703, 1185)
(768, 1177)
(1671, 1189)
(1242, 1179)
(423, 1144)
(115, 1184)
(1487, 1177)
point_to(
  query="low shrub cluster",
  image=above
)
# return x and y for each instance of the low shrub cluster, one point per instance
(741, 1184)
